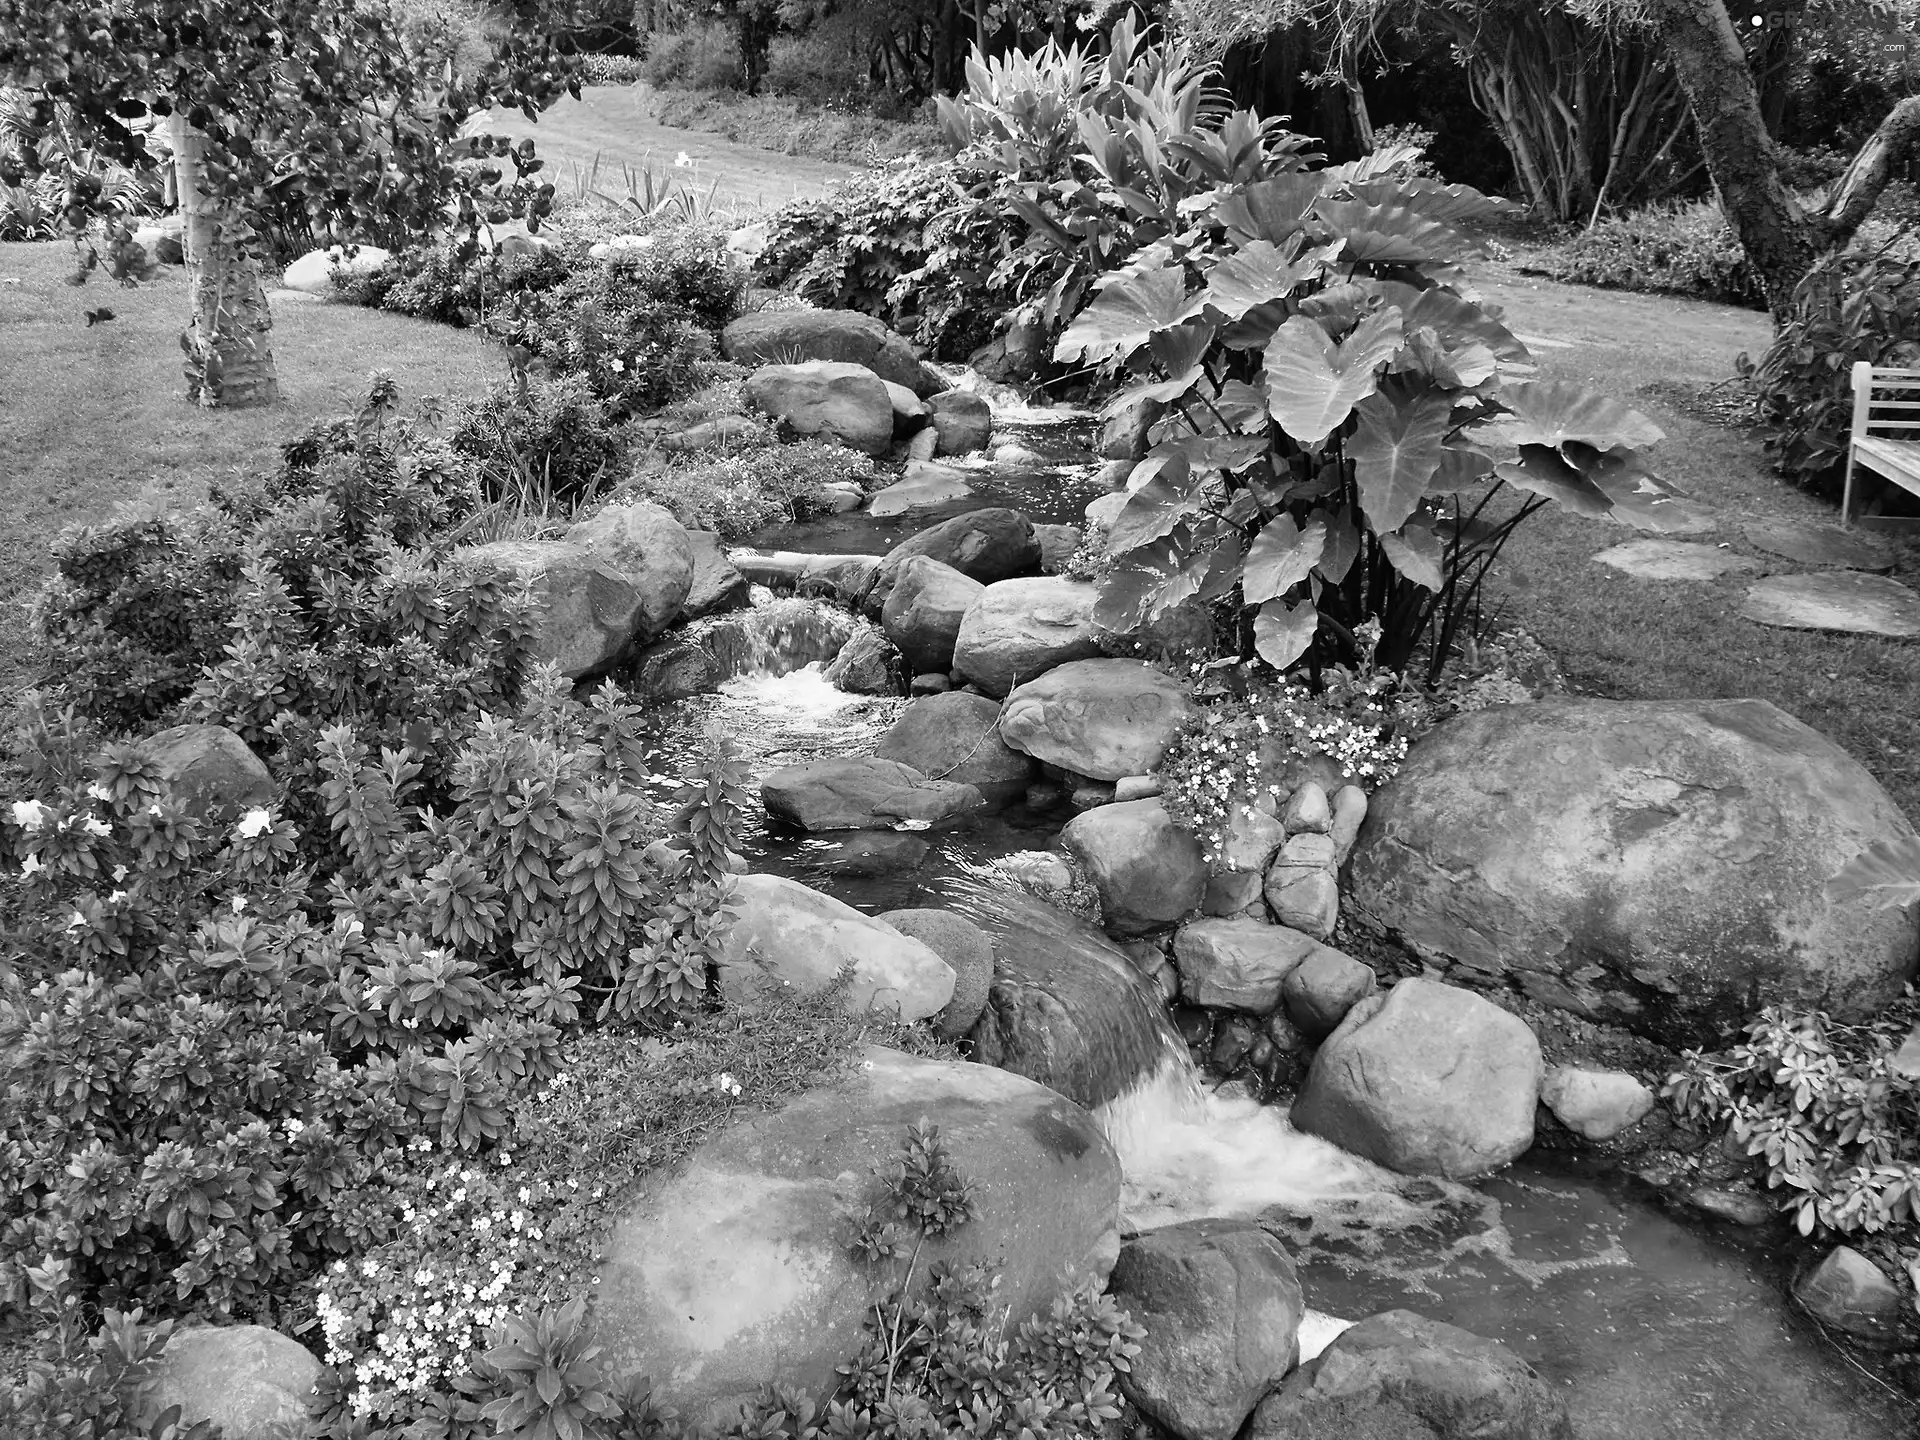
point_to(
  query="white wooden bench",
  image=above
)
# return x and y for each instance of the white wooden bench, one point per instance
(1886, 435)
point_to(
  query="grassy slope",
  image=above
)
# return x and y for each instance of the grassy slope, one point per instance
(616, 122)
(1641, 639)
(93, 418)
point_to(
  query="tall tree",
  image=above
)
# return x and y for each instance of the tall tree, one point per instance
(318, 108)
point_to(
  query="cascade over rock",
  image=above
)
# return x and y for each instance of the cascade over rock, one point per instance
(738, 1271)
(1656, 864)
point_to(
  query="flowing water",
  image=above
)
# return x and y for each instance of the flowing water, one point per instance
(1657, 1329)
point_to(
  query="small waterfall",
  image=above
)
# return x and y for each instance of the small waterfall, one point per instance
(777, 636)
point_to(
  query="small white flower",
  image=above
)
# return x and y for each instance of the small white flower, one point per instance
(253, 824)
(116, 897)
(31, 865)
(154, 810)
(683, 160)
(618, 365)
(98, 827)
(239, 903)
(99, 791)
(119, 873)
(77, 921)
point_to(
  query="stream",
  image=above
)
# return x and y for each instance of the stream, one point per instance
(1657, 1327)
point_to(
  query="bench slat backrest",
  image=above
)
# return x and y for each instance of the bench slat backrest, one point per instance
(1886, 401)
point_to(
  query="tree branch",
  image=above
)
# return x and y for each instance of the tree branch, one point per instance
(1859, 189)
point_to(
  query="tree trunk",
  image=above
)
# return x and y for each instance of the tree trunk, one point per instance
(228, 340)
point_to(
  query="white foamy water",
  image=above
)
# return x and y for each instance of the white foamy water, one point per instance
(802, 699)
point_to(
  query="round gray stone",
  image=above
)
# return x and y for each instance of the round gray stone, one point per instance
(1819, 545)
(1843, 600)
(1675, 560)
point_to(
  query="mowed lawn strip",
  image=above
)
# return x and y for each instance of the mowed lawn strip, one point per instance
(1657, 640)
(94, 419)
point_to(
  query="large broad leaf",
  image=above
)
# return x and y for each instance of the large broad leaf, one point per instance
(1450, 204)
(1272, 210)
(1460, 469)
(1125, 315)
(1415, 551)
(1183, 348)
(1152, 511)
(1884, 876)
(1282, 556)
(1390, 234)
(1257, 274)
(1640, 497)
(1395, 449)
(1242, 407)
(1213, 452)
(1339, 307)
(1131, 589)
(1540, 470)
(1343, 547)
(1282, 632)
(1453, 317)
(1464, 368)
(1554, 412)
(1312, 384)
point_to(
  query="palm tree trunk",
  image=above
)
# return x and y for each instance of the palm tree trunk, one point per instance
(228, 339)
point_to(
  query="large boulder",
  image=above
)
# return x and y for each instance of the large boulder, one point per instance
(922, 486)
(1067, 1007)
(738, 1270)
(787, 934)
(833, 335)
(1150, 873)
(209, 770)
(1221, 1306)
(650, 548)
(716, 584)
(1595, 1104)
(1426, 1079)
(1851, 1294)
(867, 665)
(1401, 1376)
(588, 614)
(846, 403)
(964, 946)
(985, 545)
(1020, 629)
(1102, 718)
(249, 1381)
(1656, 864)
(922, 614)
(955, 736)
(1238, 964)
(962, 420)
(312, 273)
(862, 792)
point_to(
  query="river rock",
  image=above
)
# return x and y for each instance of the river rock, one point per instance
(721, 432)
(832, 335)
(1067, 1007)
(1221, 1306)
(250, 1382)
(1020, 629)
(1595, 1104)
(588, 612)
(985, 545)
(1124, 432)
(1238, 964)
(862, 792)
(844, 403)
(737, 1270)
(208, 770)
(1400, 1376)
(716, 585)
(923, 444)
(964, 946)
(867, 665)
(1058, 545)
(924, 486)
(674, 667)
(868, 853)
(312, 273)
(910, 412)
(1302, 888)
(1349, 813)
(954, 736)
(1235, 892)
(1104, 719)
(963, 421)
(787, 934)
(922, 613)
(1848, 1292)
(1426, 1079)
(651, 550)
(1307, 811)
(1323, 988)
(1656, 864)
(1253, 838)
(1149, 872)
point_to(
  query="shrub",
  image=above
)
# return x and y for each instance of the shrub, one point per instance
(446, 281)
(1849, 308)
(704, 57)
(826, 64)
(543, 447)
(754, 486)
(81, 1385)
(1680, 249)
(611, 70)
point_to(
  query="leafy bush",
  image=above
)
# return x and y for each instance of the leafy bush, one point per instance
(1837, 1126)
(1679, 249)
(1849, 308)
(541, 445)
(447, 281)
(81, 1385)
(611, 70)
(752, 487)
(703, 57)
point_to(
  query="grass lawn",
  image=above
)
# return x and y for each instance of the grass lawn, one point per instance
(94, 418)
(1639, 639)
(616, 123)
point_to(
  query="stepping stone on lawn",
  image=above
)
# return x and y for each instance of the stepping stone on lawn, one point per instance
(1835, 600)
(1819, 545)
(1675, 560)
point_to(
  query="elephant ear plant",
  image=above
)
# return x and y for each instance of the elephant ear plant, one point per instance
(1343, 435)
